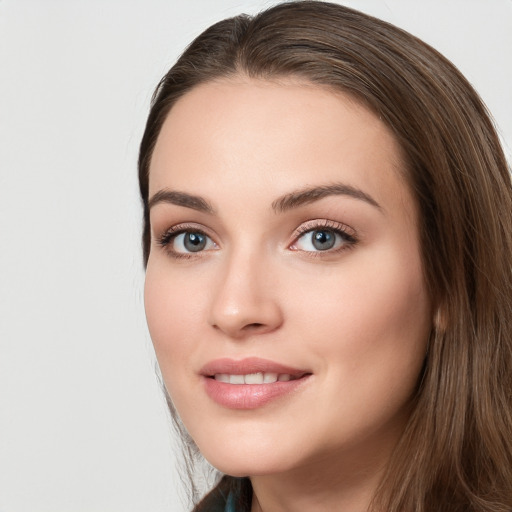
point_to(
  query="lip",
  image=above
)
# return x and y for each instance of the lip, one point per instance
(250, 396)
(248, 365)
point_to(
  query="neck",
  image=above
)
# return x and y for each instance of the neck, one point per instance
(315, 493)
(345, 481)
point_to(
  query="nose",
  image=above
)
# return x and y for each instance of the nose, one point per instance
(245, 301)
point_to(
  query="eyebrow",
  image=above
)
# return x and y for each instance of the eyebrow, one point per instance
(180, 199)
(282, 204)
(309, 195)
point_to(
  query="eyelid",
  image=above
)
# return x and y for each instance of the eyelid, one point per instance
(180, 228)
(326, 224)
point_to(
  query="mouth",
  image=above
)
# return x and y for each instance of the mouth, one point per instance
(251, 370)
(251, 383)
(255, 378)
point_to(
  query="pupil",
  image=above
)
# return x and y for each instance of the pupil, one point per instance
(323, 240)
(194, 242)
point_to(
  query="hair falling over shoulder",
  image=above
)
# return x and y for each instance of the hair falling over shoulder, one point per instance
(456, 451)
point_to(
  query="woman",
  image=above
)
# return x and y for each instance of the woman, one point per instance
(328, 237)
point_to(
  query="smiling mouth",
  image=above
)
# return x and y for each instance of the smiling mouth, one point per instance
(253, 389)
(255, 378)
(252, 382)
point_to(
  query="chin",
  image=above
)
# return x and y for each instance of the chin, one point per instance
(243, 463)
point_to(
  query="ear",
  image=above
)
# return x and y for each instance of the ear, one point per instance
(440, 319)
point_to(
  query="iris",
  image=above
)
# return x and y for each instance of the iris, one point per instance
(323, 240)
(194, 242)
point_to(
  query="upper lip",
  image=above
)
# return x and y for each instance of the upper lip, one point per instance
(247, 366)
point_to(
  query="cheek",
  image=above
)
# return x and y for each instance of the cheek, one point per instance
(172, 313)
(371, 315)
(369, 331)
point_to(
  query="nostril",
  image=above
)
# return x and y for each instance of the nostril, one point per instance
(253, 326)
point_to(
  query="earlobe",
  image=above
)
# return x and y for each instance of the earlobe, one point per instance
(440, 319)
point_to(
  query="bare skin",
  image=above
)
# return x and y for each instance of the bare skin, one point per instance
(282, 230)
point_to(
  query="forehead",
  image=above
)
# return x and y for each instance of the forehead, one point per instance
(245, 133)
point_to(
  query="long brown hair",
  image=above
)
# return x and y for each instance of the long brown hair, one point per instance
(456, 451)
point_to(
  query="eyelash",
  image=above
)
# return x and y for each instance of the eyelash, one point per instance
(346, 233)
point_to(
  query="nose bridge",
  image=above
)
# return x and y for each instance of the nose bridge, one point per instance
(244, 301)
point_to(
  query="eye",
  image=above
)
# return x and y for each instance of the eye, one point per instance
(182, 242)
(191, 241)
(318, 240)
(323, 238)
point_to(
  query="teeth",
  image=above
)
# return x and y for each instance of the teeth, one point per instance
(236, 379)
(252, 378)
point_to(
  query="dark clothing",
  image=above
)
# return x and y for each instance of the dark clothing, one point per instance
(229, 495)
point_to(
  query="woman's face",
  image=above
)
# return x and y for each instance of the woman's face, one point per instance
(284, 289)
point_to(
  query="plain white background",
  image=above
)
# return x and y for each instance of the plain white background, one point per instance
(83, 426)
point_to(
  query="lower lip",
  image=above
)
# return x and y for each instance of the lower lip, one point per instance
(249, 396)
